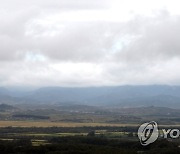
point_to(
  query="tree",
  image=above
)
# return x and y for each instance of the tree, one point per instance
(92, 133)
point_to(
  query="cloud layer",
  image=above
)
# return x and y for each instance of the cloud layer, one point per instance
(89, 43)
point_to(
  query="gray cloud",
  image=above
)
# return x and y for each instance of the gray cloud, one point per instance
(156, 39)
(45, 43)
(48, 5)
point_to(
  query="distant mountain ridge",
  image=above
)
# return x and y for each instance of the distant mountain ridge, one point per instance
(121, 96)
(3, 91)
(5, 107)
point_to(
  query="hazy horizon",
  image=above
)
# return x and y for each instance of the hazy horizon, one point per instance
(26, 88)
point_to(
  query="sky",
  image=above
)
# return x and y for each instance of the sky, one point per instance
(89, 42)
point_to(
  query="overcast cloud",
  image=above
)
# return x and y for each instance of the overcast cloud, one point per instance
(89, 43)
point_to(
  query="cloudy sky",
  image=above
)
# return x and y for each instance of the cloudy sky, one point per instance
(89, 42)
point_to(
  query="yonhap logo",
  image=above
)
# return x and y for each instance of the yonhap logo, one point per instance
(148, 133)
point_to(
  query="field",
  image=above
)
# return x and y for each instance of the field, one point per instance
(79, 139)
(67, 124)
(83, 130)
(55, 124)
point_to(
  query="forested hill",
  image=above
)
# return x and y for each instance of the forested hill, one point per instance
(125, 96)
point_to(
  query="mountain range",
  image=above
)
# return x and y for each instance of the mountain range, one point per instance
(115, 96)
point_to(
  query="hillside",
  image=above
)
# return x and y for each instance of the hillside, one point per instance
(124, 96)
(119, 96)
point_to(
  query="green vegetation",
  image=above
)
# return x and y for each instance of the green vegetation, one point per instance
(83, 129)
(85, 140)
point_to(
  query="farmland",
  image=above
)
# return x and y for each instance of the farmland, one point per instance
(81, 129)
(54, 124)
(86, 139)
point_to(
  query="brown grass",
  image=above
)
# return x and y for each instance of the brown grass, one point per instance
(54, 124)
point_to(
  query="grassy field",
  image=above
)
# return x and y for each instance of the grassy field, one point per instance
(55, 124)
(65, 124)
